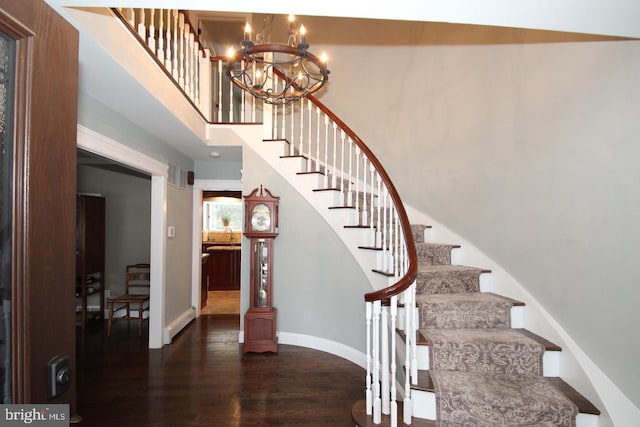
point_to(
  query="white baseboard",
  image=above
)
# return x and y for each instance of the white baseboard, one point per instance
(321, 344)
(178, 324)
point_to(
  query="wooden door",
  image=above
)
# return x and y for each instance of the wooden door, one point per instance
(44, 187)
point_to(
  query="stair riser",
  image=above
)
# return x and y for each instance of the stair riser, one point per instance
(516, 315)
(424, 406)
(448, 282)
(434, 254)
(550, 361)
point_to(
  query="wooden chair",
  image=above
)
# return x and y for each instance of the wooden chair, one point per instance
(135, 299)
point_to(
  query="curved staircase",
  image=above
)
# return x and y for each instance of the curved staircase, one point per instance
(476, 365)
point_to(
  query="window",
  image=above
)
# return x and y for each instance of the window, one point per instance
(222, 213)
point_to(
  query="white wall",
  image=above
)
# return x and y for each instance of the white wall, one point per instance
(318, 288)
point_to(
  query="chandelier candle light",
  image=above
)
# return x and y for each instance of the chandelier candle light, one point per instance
(277, 73)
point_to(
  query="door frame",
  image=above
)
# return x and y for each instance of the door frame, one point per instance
(101, 145)
(199, 186)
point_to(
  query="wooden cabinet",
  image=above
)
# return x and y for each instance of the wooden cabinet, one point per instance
(90, 243)
(224, 268)
(204, 282)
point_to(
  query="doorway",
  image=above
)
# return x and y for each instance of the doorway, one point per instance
(100, 145)
(220, 299)
(118, 236)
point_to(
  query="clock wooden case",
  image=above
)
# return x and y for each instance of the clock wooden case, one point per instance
(261, 226)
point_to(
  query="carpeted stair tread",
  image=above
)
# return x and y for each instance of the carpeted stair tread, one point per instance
(434, 253)
(464, 310)
(488, 400)
(443, 279)
(486, 350)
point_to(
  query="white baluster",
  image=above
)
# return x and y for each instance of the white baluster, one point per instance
(142, 31)
(384, 233)
(284, 126)
(188, 81)
(358, 185)
(293, 133)
(175, 54)
(342, 138)
(309, 160)
(219, 74)
(384, 360)
(167, 54)
(394, 404)
(365, 211)
(196, 72)
(151, 40)
(317, 169)
(129, 14)
(334, 175)
(372, 226)
(160, 52)
(301, 142)
(377, 401)
(378, 209)
(368, 393)
(326, 151)
(396, 246)
(205, 84)
(181, 47)
(350, 182)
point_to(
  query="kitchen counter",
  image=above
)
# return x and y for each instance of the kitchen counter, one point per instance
(223, 265)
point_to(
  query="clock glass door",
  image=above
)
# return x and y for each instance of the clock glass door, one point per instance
(261, 274)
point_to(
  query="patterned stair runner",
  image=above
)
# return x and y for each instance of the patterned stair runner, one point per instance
(484, 373)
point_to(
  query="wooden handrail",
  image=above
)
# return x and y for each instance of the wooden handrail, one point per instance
(412, 270)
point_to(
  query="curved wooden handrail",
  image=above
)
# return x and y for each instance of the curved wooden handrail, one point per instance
(412, 270)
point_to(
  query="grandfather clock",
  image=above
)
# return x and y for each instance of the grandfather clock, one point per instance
(261, 226)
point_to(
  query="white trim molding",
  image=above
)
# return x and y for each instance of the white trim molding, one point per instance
(178, 324)
(104, 146)
(322, 344)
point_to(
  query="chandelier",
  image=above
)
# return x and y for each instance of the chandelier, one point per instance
(277, 73)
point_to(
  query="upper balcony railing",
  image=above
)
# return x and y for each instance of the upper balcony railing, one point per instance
(331, 149)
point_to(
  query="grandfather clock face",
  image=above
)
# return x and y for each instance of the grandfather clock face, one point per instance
(261, 217)
(261, 214)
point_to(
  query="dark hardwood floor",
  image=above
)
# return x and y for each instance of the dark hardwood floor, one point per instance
(203, 379)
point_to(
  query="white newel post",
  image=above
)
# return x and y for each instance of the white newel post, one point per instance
(384, 360)
(377, 401)
(368, 392)
(392, 328)
(408, 312)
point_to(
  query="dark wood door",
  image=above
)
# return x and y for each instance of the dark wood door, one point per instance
(44, 187)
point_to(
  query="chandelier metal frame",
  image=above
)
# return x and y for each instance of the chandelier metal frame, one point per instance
(277, 73)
